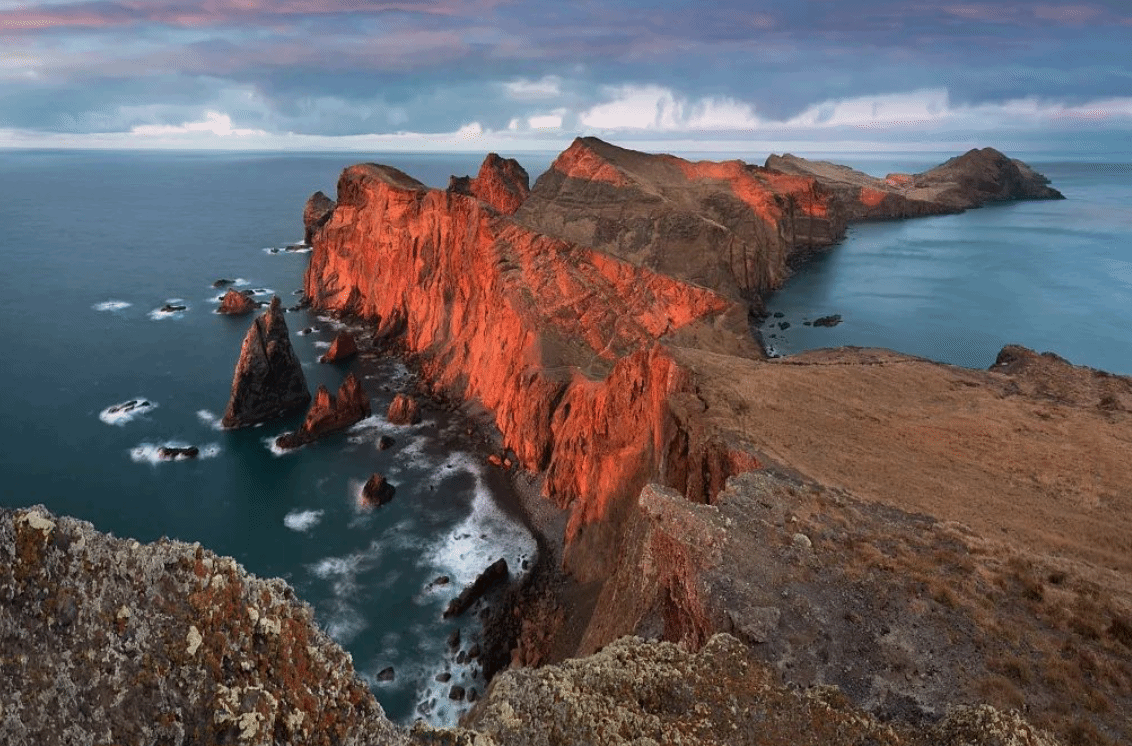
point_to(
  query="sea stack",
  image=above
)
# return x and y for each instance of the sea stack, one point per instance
(329, 413)
(269, 379)
(318, 210)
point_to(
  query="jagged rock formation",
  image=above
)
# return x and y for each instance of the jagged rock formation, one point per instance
(110, 641)
(377, 491)
(329, 413)
(107, 640)
(317, 211)
(269, 379)
(341, 349)
(969, 180)
(235, 303)
(501, 183)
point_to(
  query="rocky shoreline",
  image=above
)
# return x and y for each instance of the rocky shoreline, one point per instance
(851, 544)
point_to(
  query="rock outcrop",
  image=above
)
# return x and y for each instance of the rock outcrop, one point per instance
(269, 379)
(341, 349)
(329, 413)
(235, 303)
(110, 641)
(317, 211)
(377, 491)
(501, 183)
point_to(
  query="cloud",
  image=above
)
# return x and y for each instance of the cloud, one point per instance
(214, 123)
(652, 107)
(522, 89)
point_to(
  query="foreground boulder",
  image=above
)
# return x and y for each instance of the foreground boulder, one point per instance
(330, 413)
(235, 303)
(269, 380)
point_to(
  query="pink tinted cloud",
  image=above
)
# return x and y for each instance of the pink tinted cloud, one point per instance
(1067, 13)
(188, 14)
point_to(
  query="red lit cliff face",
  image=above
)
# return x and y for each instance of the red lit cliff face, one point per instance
(559, 341)
(729, 226)
(501, 183)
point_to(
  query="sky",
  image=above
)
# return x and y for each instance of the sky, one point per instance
(512, 76)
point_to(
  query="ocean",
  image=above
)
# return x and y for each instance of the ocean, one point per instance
(96, 243)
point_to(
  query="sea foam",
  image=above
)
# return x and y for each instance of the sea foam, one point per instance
(302, 520)
(112, 305)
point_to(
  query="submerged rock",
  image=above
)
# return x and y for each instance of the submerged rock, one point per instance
(269, 380)
(330, 413)
(171, 453)
(832, 320)
(236, 304)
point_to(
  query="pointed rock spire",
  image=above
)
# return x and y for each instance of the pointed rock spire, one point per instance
(269, 379)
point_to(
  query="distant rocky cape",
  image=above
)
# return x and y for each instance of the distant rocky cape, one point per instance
(847, 545)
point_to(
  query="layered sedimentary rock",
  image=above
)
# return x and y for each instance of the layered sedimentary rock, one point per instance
(268, 381)
(329, 413)
(970, 180)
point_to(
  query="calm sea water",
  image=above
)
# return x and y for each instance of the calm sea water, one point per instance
(1050, 275)
(95, 243)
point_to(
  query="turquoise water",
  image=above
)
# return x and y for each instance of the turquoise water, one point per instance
(1050, 275)
(93, 245)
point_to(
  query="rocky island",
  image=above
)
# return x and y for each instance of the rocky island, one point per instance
(847, 545)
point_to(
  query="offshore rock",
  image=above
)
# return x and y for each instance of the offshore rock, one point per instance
(235, 303)
(317, 211)
(269, 379)
(501, 183)
(110, 641)
(404, 410)
(329, 413)
(342, 348)
(377, 491)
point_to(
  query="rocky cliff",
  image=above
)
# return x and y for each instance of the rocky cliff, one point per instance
(603, 324)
